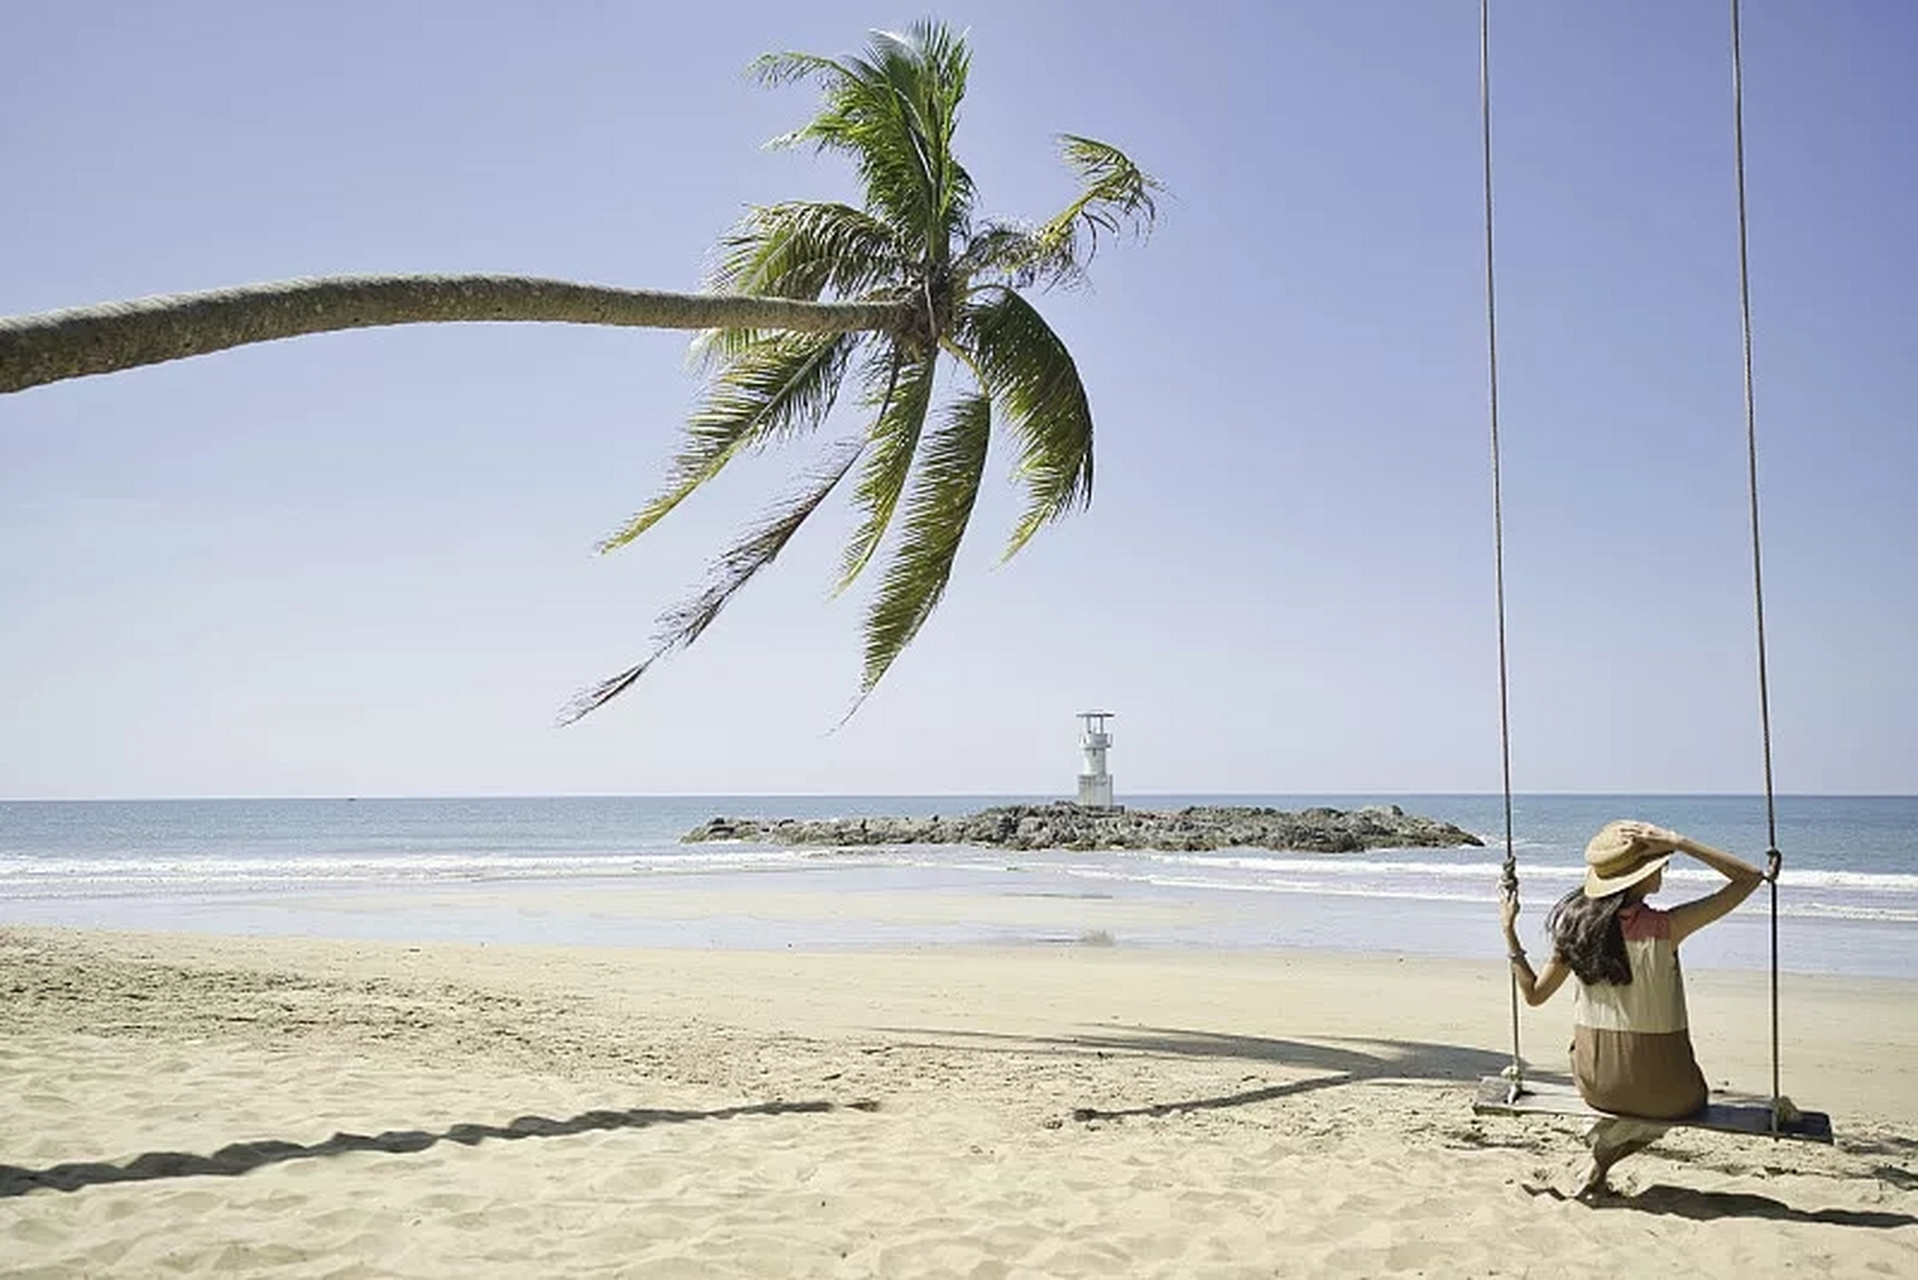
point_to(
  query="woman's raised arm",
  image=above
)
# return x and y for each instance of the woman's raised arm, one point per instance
(1741, 878)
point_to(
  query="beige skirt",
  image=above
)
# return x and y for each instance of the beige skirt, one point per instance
(1635, 1073)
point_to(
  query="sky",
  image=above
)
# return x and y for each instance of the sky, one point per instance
(363, 564)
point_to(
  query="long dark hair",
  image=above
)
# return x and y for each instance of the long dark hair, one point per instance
(1588, 937)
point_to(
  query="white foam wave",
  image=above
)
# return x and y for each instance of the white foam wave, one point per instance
(82, 875)
(1466, 877)
(1849, 911)
(1338, 865)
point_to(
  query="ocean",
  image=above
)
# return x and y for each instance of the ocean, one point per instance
(612, 871)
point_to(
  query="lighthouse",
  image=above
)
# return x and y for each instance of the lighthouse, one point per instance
(1095, 784)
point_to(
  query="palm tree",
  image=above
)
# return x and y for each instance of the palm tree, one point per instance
(916, 245)
(804, 294)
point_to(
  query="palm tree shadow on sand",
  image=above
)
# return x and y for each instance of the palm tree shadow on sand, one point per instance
(1344, 1060)
(244, 1157)
(1348, 1061)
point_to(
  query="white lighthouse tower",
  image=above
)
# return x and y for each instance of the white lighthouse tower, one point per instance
(1095, 784)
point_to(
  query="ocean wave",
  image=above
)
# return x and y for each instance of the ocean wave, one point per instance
(1849, 911)
(124, 875)
(1340, 865)
(1469, 876)
(1814, 910)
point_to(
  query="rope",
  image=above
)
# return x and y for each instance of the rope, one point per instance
(1508, 878)
(1758, 568)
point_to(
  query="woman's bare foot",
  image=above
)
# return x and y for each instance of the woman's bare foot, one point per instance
(1596, 1184)
(1611, 1140)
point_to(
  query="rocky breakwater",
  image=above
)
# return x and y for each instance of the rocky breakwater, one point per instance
(1064, 825)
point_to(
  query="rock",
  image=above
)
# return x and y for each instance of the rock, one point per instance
(1064, 825)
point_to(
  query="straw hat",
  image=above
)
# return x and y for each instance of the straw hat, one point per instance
(1624, 853)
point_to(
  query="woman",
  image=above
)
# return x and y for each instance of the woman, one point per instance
(1631, 1041)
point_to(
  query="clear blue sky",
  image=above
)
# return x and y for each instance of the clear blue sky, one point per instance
(362, 563)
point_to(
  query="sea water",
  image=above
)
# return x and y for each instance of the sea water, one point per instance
(462, 869)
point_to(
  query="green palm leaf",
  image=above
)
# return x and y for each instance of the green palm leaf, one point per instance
(927, 72)
(1118, 196)
(893, 113)
(902, 391)
(944, 490)
(759, 547)
(803, 250)
(1032, 376)
(1003, 252)
(769, 385)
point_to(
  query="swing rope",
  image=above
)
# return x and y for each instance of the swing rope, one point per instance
(1508, 878)
(1758, 567)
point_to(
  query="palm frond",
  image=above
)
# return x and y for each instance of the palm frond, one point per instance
(944, 490)
(927, 70)
(1011, 254)
(790, 67)
(1032, 377)
(901, 389)
(769, 386)
(1118, 197)
(893, 112)
(802, 249)
(759, 547)
(710, 349)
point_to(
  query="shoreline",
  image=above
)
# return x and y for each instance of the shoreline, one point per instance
(818, 905)
(430, 1107)
(615, 873)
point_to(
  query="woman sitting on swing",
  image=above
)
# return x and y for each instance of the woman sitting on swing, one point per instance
(1631, 1042)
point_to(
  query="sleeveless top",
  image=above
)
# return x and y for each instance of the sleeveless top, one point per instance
(1632, 1045)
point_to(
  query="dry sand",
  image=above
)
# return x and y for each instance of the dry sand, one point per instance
(179, 1104)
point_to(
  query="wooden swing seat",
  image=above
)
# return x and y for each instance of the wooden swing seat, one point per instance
(1536, 1098)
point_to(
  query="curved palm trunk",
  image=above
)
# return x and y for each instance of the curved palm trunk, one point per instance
(74, 343)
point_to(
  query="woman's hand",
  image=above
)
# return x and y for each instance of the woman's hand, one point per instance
(1651, 838)
(1537, 987)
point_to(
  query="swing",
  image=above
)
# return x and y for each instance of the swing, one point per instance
(1498, 1096)
(1512, 1094)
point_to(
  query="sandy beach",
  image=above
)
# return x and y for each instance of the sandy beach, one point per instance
(175, 1104)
